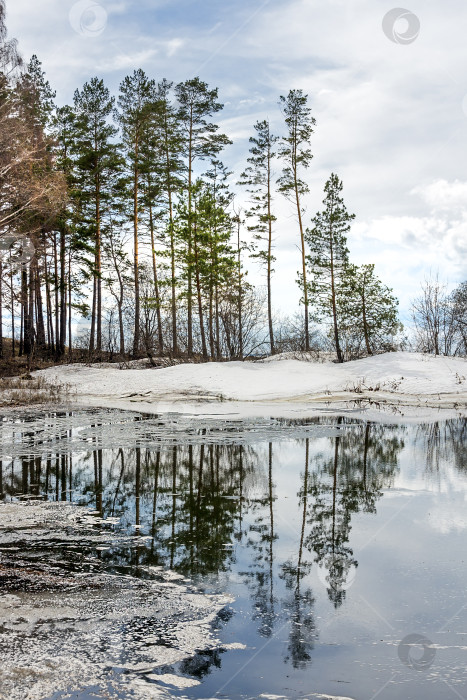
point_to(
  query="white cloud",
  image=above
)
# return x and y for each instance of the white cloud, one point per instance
(126, 61)
(443, 195)
(173, 46)
(407, 248)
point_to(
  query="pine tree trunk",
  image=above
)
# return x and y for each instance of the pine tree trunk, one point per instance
(212, 343)
(200, 298)
(26, 312)
(136, 338)
(365, 327)
(334, 305)
(21, 328)
(156, 284)
(57, 328)
(70, 308)
(240, 309)
(63, 304)
(48, 301)
(305, 287)
(120, 311)
(218, 324)
(269, 270)
(98, 272)
(173, 286)
(189, 299)
(172, 245)
(212, 266)
(336, 329)
(120, 324)
(12, 300)
(40, 327)
(92, 336)
(29, 330)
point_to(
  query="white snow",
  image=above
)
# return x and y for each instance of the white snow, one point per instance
(399, 378)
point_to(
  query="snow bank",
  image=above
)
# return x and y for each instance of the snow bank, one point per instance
(397, 378)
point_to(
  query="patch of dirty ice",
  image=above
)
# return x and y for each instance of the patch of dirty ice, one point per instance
(65, 629)
(59, 432)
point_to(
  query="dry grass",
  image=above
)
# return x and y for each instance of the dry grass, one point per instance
(359, 386)
(18, 366)
(27, 391)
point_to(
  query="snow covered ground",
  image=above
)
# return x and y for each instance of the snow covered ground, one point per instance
(277, 386)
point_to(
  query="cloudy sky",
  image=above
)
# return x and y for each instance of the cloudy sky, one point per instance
(390, 103)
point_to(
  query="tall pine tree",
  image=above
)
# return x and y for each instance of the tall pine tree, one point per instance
(296, 154)
(258, 178)
(171, 171)
(218, 201)
(97, 162)
(201, 140)
(328, 256)
(135, 109)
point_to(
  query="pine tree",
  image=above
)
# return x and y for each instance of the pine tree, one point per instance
(207, 254)
(239, 277)
(75, 240)
(368, 308)
(218, 200)
(135, 108)
(38, 95)
(328, 256)
(199, 240)
(258, 178)
(296, 154)
(152, 207)
(97, 161)
(197, 103)
(171, 171)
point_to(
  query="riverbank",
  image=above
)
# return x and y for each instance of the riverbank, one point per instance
(276, 386)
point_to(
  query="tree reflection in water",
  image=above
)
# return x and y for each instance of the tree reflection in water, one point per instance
(197, 506)
(346, 480)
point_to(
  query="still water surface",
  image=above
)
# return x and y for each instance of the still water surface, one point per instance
(342, 543)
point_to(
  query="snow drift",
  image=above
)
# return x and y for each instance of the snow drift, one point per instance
(397, 378)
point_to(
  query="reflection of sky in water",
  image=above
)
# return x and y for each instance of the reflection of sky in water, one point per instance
(337, 539)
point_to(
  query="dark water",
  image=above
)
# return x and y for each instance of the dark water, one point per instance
(343, 543)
